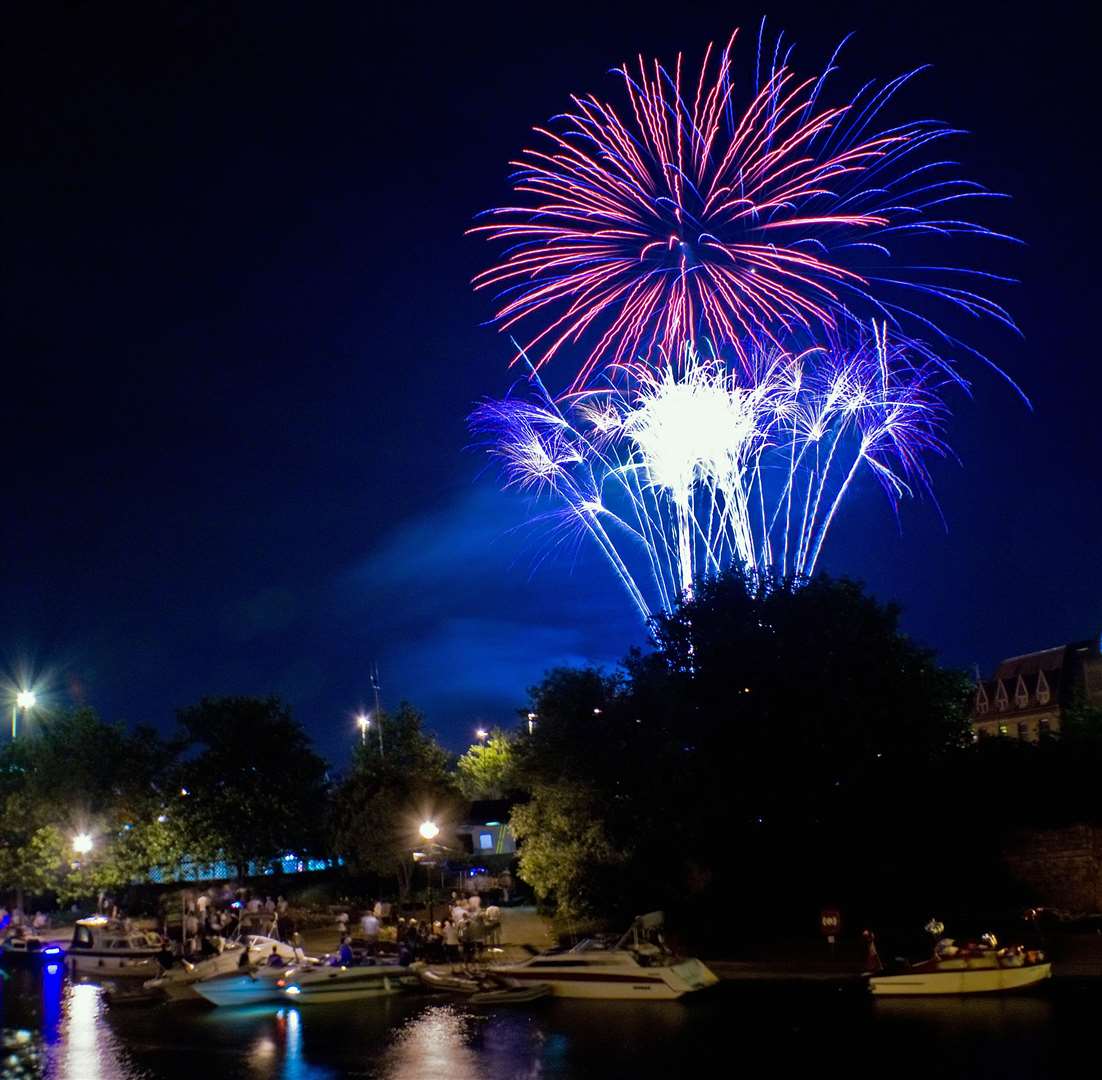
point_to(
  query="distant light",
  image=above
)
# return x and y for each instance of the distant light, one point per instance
(481, 733)
(363, 721)
(493, 822)
(162, 818)
(26, 699)
(53, 950)
(82, 843)
(596, 712)
(184, 791)
(429, 829)
(294, 991)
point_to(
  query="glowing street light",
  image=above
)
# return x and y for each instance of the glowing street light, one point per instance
(365, 722)
(24, 700)
(429, 830)
(531, 722)
(481, 734)
(82, 843)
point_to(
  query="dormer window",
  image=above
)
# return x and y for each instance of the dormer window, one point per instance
(1043, 692)
(1021, 694)
(1001, 700)
(981, 700)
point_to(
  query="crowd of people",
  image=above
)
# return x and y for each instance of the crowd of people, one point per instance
(211, 916)
(464, 934)
(17, 922)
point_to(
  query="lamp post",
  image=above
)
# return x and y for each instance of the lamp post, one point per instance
(429, 831)
(24, 700)
(365, 722)
(531, 722)
(481, 734)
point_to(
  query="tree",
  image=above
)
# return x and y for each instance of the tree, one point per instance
(738, 758)
(378, 807)
(486, 770)
(252, 789)
(81, 775)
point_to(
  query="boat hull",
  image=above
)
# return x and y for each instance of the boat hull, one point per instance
(245, 989)
(324, 987)
(994, 980)
(616, 982)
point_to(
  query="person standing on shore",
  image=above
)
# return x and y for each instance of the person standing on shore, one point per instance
(370, 926)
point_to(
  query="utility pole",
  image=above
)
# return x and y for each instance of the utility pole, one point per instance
(378, 713)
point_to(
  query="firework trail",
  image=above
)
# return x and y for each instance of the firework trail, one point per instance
(702, 464)
(705, 208)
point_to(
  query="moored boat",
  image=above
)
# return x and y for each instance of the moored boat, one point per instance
(28, 947)
(178, 983)
(638, 967)
(323, 984)
(104, 946)
(250, 986)
(976, 967)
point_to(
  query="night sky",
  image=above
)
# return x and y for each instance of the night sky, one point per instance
(240, 346)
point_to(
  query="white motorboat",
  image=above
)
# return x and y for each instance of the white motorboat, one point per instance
(638, 967)
(322, 984)
(103, 946)
(178, 983)
(989, 972)
(247, 986)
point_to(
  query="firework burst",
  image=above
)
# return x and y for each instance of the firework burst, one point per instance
(702, 464)
(733, 212)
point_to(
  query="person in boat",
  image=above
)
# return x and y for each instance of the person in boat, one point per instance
(344, 957)
(873, 962)
(275, 960)
(244, 960)
(946, 949)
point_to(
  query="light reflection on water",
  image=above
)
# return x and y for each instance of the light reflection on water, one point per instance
(442, 1043)
(79, 1044)
(412, 1037)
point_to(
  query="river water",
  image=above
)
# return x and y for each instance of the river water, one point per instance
(67, 1031)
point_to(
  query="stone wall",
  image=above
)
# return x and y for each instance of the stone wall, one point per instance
(1062, 867)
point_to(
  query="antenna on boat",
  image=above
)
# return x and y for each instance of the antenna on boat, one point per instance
(378, 712)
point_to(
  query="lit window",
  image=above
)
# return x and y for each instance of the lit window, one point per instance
(485, 841)
(1003, 729)
(1023, 731)
(1043, 693)
(1021, 694)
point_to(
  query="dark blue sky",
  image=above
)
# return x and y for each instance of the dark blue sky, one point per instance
(241, 344)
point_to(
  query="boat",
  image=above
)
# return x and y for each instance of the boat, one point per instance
(28, 947)
(324, 984)
(251, 986)
(449, 981)
(637, 967)
(105, 946)
(483, 987)
(975, 968)
(178, 983)
(497, 990)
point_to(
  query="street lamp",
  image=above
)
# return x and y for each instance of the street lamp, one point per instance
(365, 722)
(481, 734)
(82, 843)
(429, 830)
(24, 700)
(531, 722)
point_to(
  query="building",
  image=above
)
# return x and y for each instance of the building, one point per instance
(486, 830)
(1028, 695)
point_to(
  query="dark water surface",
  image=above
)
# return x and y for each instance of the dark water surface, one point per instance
(810, 1032)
